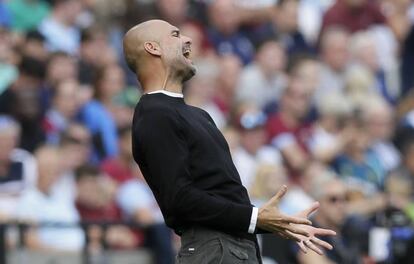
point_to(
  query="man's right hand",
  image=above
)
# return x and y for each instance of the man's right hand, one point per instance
(271, 219)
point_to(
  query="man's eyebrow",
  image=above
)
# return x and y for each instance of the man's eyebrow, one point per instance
(175, 31)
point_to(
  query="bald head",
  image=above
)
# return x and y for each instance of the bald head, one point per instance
(136, 37)
(156, 46)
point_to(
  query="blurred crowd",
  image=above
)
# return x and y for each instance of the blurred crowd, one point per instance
(315, 94)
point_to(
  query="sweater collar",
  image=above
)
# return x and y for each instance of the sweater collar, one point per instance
(172, 94)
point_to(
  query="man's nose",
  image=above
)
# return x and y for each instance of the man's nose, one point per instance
(187, 40)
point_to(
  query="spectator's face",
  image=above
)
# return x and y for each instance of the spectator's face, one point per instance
(308, 72)
(36, 49)
(66, 98)
(223, 16)
(89, 191)
(230, 67)
(380, 124)
(77, 153)
(8, 142)
(72, 10)
(252, 140)
(296, 100)
(335, 50)
(333, 203)
(61, 68)
(287, 19)
(112, 82)
(271, 57)
(367, 55)
(50, 168)
(173, 11)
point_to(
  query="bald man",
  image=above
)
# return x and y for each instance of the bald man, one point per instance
(187, 163)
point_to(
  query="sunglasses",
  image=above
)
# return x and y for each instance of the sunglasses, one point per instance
(336, 199)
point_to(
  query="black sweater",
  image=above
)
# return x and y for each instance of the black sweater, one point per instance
(187, 163)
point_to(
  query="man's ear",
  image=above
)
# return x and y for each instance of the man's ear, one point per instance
(152, 48)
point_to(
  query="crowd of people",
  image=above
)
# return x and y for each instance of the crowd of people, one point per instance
(315, 94)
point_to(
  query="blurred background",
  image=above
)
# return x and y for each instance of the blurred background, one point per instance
(316, 94)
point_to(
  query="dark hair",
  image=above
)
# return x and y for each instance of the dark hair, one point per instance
(282, 2)
(85, 171)
(32, 67)
(35, 35)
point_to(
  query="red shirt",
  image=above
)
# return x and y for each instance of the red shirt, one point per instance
(276, 126)
(117, 170)
(353, 19)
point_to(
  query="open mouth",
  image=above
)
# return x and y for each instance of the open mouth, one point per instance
(187, 53)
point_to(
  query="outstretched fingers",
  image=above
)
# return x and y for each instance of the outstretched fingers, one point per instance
(321, 243)
(296, 220)
(276, 198)
(309, 244)
(324, 232)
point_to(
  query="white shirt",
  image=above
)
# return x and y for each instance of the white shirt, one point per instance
(255, 210)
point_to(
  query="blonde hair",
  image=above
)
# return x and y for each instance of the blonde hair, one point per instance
(260, 188)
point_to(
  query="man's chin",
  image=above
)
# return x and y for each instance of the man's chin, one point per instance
(190, 72)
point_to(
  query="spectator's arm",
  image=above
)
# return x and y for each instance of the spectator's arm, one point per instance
(291, 151)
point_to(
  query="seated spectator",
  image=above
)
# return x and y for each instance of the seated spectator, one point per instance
(63, 110)
(139, 205)
(95, 202)
(287, 129)
(252, 151)
(379, 117)
(19, 10)
(34, 46)
(331, 133)
(75, 145)
(229, 73)
(202, 88)
(353, 15)
(224, 32)
(364, 51)
(358, 164)
(334, 53)
(351, 233)
(263, 80)
(17, 168)
(286, 28)
(98, 114)
(39, 206)
(59, 27)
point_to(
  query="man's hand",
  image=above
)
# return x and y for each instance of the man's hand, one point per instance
(272, 220)
(311, 242)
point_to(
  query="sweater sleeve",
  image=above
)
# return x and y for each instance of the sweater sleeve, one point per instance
(165, 162)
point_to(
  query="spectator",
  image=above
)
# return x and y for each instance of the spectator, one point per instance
(287, 129)
(286, 26)
(224, 32)
(331, 132)
(335, 59)
(353, 15)
(17, 168)
(252, 151)
(364, 52)
(63, 110)
(19, 10)
(95, 203)
(201, 90)
(264, 79)
(34, 46)
(59, 27)
(97, 115)
(379, 117)
(229, 73)
(38, 205)
(351, 238)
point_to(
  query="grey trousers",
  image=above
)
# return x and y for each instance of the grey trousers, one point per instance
(206, 246)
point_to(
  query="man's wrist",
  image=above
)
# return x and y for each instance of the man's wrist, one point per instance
(253, 220)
